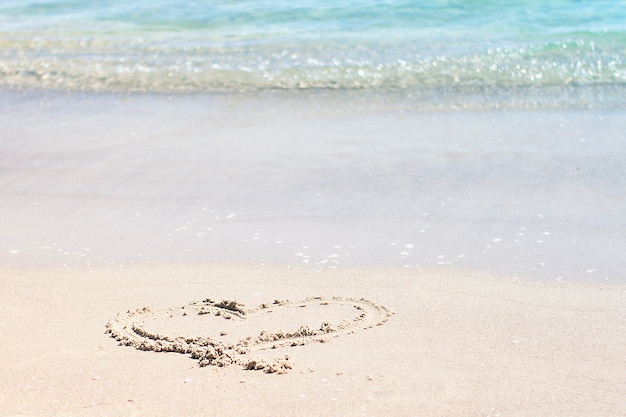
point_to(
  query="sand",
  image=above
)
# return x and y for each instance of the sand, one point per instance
(374, 259)
(458, 343)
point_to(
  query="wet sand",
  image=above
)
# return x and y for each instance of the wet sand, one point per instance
(315, 181)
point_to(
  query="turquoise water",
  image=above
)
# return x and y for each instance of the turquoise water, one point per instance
(560, 51)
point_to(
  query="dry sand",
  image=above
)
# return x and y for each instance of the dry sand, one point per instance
(458, 343)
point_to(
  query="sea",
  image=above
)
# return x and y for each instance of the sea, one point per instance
(433, 53)
(317, 134)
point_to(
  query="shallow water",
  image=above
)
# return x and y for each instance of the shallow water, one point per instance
(492, 54)
(108, 179)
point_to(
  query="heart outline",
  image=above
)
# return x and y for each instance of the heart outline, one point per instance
(129, 330)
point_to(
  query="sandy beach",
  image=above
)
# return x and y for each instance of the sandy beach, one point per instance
(487, 247)
(458, 343)
(314, 208)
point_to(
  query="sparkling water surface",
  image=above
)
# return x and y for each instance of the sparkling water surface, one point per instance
(536, 49)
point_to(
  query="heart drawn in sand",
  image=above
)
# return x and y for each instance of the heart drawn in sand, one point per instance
(140, 329)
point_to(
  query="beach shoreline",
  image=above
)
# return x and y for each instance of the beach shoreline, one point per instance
(300, 209)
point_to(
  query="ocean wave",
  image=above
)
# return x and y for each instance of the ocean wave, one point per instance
(111, 64)
(460, 49)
